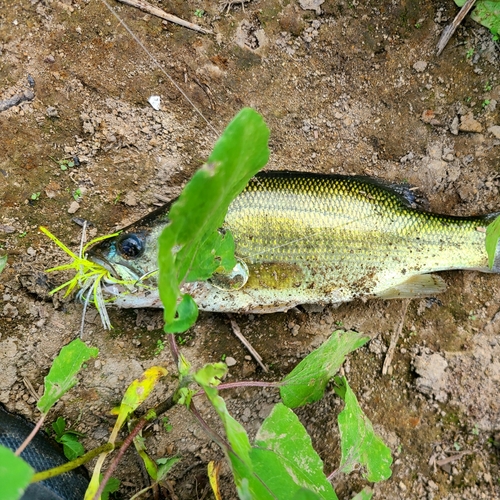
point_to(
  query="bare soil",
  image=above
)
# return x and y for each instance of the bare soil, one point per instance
(351, 88)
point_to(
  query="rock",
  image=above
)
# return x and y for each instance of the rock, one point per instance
(52, 112)
(230, 361)
(495, 130)
(433, 379)
(311, 5)
(10, 311)
(73, 207)
(454, 125)
(420, 66)
(469, 124)
(130, 199)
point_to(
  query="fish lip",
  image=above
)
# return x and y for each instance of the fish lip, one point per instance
(101, 261)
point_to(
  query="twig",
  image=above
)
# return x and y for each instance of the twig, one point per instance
(244, 341)
(394, 338)
(155, 11)
(451, 28)
(453, 458)
(159, 66)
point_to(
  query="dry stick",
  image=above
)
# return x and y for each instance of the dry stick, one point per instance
(244, 341)
(159, 66)
(155, 11)
(451, 28)
(395, 338)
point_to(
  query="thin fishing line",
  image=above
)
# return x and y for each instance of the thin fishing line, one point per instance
(158, 65)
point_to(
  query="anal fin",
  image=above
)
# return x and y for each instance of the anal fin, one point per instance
(421, 285)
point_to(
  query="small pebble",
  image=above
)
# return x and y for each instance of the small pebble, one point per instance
(230, 361)
(495, 130)
(420, 66)
(73, 207)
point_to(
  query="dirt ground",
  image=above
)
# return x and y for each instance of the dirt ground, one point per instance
(347, 87)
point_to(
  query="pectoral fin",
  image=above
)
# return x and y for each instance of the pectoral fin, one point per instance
(421, 285)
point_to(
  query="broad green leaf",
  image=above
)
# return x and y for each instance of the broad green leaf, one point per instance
(71, 446)
(187, 246)
(307, 381)
(59, 426)
(364, 494)
(486, 12)
(15, 475)
(186, 316)
(359, 443)
(284, 459)
(492, 237)
(164, 466)
(3, 262)
(221, 255)
(111, 486)
(304, 494)
(62, 374)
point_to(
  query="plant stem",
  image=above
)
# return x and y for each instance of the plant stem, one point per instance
(31, 435)
(128, 441)
(173, 348)
(61, 469)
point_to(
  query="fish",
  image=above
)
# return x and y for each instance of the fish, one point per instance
(303, 238)
(42, 454)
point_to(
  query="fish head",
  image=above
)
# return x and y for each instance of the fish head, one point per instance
(130, 256)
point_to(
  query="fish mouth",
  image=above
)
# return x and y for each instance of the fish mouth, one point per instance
(131, 274)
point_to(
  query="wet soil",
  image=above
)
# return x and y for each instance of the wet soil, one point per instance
(351, 88)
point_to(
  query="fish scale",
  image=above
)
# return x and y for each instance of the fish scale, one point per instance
(306, 238)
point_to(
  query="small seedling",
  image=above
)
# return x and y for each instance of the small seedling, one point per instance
(456, 446)
(166, 424)
(475, 430)
(22, 235)
(77, 194)
(35, 196)
(485, 103)
(199, 13)
(488, 87)
(469, 53)
(223, 357)
(69, 439)
(160, 347)
(64, 163)
(418, 25)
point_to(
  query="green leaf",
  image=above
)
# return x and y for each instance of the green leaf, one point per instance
(189, 245)
(15, 475)
(164, 466)
(365, 494)
(62, 374)
(307, 381)
(186, 316)
(486, 12)
(284, 459)
(111, 486)
(71, 446)
(3, 262)
(59, 426)
(221, 255)
(492, 237)
(359, 443)
(304, 494)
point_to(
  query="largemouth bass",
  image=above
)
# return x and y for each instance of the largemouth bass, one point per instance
(312, 239)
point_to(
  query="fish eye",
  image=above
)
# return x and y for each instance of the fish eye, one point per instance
(130, 246)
